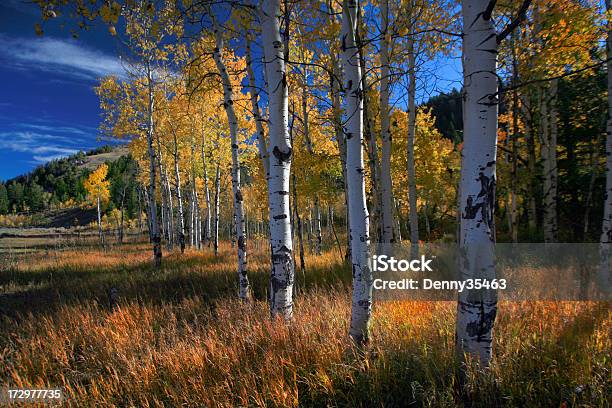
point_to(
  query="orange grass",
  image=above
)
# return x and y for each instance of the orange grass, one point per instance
(179, 337)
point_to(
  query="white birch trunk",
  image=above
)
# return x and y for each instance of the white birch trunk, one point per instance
(139, 210)
(514, 146)
(165, 212)
(207, 232)
(310, 149)
(554, 132)
(549, 161)
(606, 228)
(282, 276)
(317, 226)
(413, 214)
(298, 220)
(361, 307)
(476, 310)
(155, 236)
(386, 186)
(196, 201)
(228, 103)
(261, 139)
(192, 220)
(341, 141)
(215, 230)
(373, 159)
(170, 211)
(100, 234)
(177, 179)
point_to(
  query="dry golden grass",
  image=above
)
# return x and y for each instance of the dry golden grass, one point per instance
(179, 337)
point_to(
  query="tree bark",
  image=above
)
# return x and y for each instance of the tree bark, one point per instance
(341, 141)
(228, 103)
(386, 186)
(532, 205)
(216, 211)
(589, 198)
(413, 214)
(122, 214)
(261, 139)
(139, 210)
(155, 237)
(177, 179)
(514, 149)
(310, 149)
(372, 145)
(170, 210)
(298, 221)
(207, 231)
(476, 310)
(606, 228)
(361, 307)
(100, 233)
(549, 161)
(282, 274)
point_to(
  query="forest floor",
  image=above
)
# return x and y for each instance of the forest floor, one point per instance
(180, 337)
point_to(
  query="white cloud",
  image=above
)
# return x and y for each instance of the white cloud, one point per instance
(45, 159)
(66, 57)
(60, 129)
(42, 146)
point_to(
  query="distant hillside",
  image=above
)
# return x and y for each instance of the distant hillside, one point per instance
(94, 160)
(59, 183)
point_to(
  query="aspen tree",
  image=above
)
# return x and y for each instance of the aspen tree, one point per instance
(282, 276)
(228, 104)
(606, 228)
(361, 307)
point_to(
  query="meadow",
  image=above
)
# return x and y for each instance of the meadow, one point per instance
(180, 337)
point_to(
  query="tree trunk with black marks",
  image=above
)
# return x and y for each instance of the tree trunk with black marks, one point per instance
(413, 215)
(215, 230)
(122, 214)
(370, 138)
(532, 215)
(341, 141)
(361, 307)
(261, 139)
(170, 211)
(228, 104)
(335, 78)
(514, 149)
(207, 231)
(139, 209)
(282, 274)
(100, 232)
(155, 236)
(298, 221)
(310, 149)
(589, 198)
(606, 228)
(548, 117)
(179, 199)
(386, 186)
(476, 310)
(317, 222)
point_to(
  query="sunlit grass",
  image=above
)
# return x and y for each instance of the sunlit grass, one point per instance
(180, 337)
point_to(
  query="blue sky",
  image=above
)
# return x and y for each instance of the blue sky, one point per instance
(48, 108)
(47, 105)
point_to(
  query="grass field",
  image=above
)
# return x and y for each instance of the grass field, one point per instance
(179, 337)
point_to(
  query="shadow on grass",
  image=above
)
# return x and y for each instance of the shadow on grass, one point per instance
(203, 275)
